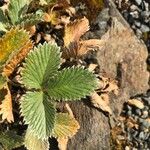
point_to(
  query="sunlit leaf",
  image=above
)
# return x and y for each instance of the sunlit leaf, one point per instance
(38, 113)
(71, 84)
(14, 46)
(32, 142)
(65, 126)
(41, 64)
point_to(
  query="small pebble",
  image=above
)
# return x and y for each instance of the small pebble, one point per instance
(138, 1)
(144, 28)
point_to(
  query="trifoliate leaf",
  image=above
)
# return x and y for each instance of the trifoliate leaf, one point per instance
(10, 140)
(71, 84)
(6, 107)
(32, 142)
(16, 9)
(41, 64)
(14, 46)
(38, 113)
(65, 126)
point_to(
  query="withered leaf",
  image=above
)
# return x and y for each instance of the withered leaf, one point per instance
(137, 103)
(101, 101)
(6, 107)
(75, 30)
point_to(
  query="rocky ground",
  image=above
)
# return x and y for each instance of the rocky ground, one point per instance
(137, 120)
(122, 58)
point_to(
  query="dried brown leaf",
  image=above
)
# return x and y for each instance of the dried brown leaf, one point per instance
(112, 87)
(101, 101)
(6, 107)
(9, 68)
(92, 67)
(75, 30)
(137, 103)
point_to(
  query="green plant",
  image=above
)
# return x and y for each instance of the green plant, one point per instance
(46, 85)
(17, 14)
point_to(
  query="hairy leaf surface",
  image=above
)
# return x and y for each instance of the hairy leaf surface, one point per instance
(32, 142)
(38, 113)
(41, 64)
(71, 84)
(65, 126)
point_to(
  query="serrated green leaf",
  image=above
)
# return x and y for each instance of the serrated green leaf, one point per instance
(38, 113)
(71, 84)
(16, 9)
(41, 64)
(10, 140)
(11, 43)
(65, 126)
(32, 142)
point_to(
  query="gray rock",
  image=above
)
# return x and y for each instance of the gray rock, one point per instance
(135, 14)
(144, 28)
(138, 1)
(125, 56)
(137, 23)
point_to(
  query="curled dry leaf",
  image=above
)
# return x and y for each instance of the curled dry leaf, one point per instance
(6, 107)
(75, 30)
(111, 87)
(137, 103)
(92, 67)
(73, 46)
(101, 101)
(107, 85)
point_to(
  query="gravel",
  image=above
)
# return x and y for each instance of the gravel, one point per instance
(138, 135)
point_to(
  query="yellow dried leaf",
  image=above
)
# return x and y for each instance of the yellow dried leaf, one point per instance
(137, 103)
(9, 67)
(75, 30)
(14, 46)
(6, 107)
(65, 126)
(101, 101)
